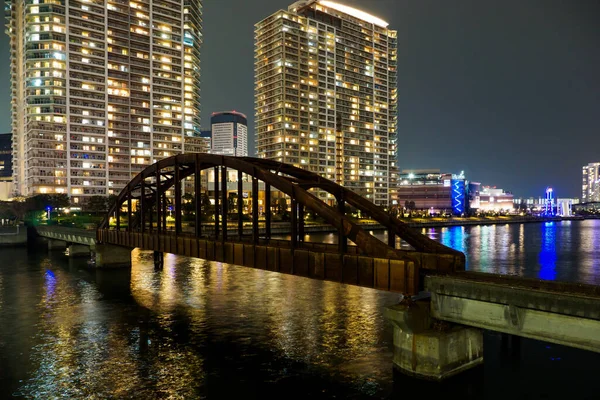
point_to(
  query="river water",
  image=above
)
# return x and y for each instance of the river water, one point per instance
(199, 329)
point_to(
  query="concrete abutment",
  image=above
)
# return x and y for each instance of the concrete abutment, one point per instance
(111, 256)
(429, 349)
(79, 250)
(54, 244)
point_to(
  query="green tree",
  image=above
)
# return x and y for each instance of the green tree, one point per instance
(97, 204)
(19, 209)
(6, 211)
(188, 204)
(111, 200)
(207, 208)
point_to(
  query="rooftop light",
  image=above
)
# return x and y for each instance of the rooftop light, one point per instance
(355, 13)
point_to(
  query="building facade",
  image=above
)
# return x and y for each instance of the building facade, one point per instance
(326, 95)
(206, 135)
(6, 156)
(429, 190)
(101, 89)
(491, 199)
(425, 190)
(590, 189)
(229, 134)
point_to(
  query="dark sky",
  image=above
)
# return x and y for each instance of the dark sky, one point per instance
(506, 90)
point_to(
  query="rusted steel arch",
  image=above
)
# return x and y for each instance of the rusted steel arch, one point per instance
(261, 170)
(308, 180)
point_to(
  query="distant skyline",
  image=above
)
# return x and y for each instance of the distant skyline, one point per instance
(507, 91)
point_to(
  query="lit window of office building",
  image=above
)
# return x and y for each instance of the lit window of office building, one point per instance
(326, 95)
(101, 89)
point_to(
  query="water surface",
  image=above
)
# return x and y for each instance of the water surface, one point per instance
(201, 329)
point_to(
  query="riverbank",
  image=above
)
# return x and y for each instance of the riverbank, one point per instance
(282, 228)
(446, 222)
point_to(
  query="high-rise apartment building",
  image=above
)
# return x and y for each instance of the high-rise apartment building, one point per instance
(591, 183)
(229, 135)
(326, 94)
(101, 89)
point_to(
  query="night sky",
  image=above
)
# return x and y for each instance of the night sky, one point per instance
(508, 91)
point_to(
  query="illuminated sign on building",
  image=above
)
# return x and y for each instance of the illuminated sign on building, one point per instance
(458, 196)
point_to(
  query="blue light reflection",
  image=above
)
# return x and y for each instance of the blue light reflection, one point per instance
(548, 256)
(50, 283)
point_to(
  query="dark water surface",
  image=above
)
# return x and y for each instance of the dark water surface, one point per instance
(563, 251)
(209, 330)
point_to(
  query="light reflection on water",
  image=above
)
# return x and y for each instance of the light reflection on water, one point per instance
(194, 326)
(565, 251)
(201, 329)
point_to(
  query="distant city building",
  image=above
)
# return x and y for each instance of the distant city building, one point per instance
(530, 203)
(493, 199)
(206, 135)
(100, 90)
(590, 207)
(195, 144)
(326, 95)
(590, 189)
(433, 191)
(473, 189)
(6, 156)
(229, 136)
(565, 207)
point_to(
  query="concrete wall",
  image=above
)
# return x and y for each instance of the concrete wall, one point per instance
(13, 236)
(109, 256)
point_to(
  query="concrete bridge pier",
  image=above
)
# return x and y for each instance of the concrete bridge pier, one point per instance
(54, 244)
(78, 250)
(428, 348)
(111, 256)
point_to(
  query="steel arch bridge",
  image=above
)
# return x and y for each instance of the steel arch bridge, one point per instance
(370, 263)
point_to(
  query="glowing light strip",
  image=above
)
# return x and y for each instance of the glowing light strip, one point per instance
(355, 13)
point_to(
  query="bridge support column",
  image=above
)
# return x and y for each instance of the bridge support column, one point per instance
(429, 349)
(56, 244)
(79, 250)
(110, 256)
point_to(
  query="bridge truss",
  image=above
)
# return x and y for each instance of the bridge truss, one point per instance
(149, 190)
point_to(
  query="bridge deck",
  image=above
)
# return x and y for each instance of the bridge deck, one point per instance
(558, 312)
(71, 235)
(397, 272)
